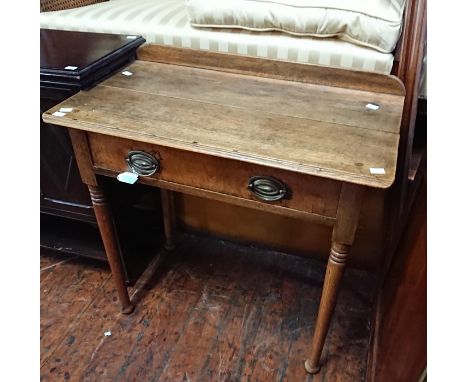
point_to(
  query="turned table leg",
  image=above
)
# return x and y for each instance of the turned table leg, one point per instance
(167, 202)
(107, 230)
(344, 230)
(103, 215)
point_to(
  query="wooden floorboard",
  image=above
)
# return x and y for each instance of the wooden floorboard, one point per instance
(214, 311)
(68, 286)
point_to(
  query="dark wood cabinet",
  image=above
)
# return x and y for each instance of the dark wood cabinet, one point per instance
(68, 223)
(62, 192)
(70, 62)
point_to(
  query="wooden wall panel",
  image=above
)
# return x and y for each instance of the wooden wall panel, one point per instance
(399, 345)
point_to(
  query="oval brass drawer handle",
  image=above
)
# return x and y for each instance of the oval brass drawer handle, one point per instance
(142, 163)
(267, 188)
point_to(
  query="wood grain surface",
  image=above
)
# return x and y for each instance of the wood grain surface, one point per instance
(216, 311)
(265, 95)
(264, 67)
(255, 120)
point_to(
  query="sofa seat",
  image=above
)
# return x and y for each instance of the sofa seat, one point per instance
(165, 22)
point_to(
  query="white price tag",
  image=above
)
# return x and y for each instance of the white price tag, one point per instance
(377, 170)
(127, 177)
(127, 73)
(372, 106)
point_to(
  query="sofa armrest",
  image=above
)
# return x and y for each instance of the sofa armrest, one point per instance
(57, 5)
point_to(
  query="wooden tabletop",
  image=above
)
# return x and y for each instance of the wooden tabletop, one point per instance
(320, 130)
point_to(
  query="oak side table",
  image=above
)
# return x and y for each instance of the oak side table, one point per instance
(287, 139)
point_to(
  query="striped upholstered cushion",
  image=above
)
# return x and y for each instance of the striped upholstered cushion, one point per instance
(165, 22)
(372, 23)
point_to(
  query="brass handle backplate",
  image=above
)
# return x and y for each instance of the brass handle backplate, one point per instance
(267, 188)
(142, 163)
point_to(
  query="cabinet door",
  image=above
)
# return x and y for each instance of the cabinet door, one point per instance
(62, 192)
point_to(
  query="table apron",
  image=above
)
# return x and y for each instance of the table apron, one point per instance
(308, 197)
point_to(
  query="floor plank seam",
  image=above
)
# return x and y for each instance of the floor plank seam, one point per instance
(157, 296)
(219, 332)
(75, 321)
(59, 263)
(181, 334)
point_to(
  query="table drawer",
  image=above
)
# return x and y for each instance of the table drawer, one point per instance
(304, 193)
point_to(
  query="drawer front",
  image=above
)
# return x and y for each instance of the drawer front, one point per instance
(226, 176)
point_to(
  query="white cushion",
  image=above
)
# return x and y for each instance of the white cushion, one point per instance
(372, 23)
